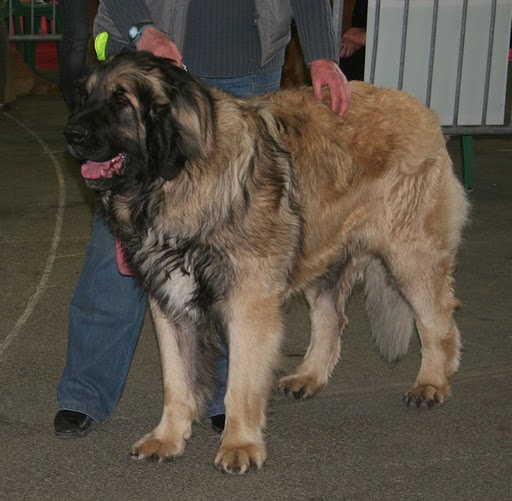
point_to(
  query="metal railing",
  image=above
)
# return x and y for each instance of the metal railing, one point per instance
(25, 20)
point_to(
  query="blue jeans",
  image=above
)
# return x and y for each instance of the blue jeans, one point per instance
(107, 311)
(250, 85)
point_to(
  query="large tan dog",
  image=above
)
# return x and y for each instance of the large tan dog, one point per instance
(226, 207)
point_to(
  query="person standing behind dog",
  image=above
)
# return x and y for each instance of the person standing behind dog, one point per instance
(234, 45)
(75, 16)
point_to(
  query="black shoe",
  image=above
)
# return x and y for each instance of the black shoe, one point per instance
(71, 424)
(218, 422)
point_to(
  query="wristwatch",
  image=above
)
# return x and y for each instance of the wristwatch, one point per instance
(135, 32)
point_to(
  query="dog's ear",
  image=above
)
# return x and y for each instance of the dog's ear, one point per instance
(182, 129)
(176, 158)
(192, 120)
(164, 143)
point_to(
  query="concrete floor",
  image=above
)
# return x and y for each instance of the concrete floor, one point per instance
(355, 441)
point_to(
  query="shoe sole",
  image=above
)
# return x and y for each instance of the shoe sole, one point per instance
(69, 436)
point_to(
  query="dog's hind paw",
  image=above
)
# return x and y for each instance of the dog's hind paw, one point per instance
(426, 396)
(239, 460)
(301, 387)
(155, 449)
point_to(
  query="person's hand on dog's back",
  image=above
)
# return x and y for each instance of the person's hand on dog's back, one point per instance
(325, 72)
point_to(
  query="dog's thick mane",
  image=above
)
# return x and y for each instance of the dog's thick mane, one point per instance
(209, 173)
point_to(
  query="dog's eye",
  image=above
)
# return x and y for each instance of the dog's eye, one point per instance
(119, 97)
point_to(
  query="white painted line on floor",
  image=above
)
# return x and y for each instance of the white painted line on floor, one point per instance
(59, 218)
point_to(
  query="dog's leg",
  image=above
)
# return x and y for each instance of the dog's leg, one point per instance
(326, 299)
(254, 334)
(425, 281)
(181, 406)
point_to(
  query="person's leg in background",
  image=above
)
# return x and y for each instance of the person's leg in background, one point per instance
(78, 398)
(107, 309)
(75, 19)
(7, 92)
(106, 315)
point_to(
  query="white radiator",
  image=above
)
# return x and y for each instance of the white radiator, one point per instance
(451, 54)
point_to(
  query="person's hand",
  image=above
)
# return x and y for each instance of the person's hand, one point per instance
(352, 40)
(159, 44)
(325, 72)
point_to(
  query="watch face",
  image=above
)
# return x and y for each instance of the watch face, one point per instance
(132, 32)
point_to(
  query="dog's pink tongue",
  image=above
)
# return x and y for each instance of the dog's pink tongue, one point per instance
(122, 266)
(94, 170)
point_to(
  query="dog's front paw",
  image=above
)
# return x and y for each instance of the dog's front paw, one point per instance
(238, 460)
(301, 387)
(158, 449)
(427, 395)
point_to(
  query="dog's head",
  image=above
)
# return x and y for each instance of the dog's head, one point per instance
(139, 118)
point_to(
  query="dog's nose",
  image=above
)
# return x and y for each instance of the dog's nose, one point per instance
(75, 134)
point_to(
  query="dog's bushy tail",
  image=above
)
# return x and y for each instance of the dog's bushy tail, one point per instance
(390, 316)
